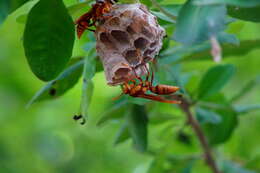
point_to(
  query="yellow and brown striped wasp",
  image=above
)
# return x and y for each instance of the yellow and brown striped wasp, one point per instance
(141, 89)
(95, 14)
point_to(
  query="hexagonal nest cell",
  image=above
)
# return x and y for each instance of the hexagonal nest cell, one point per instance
(126, 41)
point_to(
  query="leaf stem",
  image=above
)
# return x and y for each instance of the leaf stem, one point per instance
(185, 107)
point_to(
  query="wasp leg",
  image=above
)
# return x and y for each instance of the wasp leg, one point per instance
(148, 73)
(152, 77)
(138, 77)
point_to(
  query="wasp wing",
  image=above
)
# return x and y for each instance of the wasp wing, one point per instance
(158, 98)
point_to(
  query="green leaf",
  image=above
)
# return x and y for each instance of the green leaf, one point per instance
(4, 10)
(188, 168)
(137, 121)
(90, 45)
(243, 109)
(178, 53)
(48, 42)
(165, 162)
(174, 77)
(196, 23)
(159, 118)
(167, 13)
(99, 66)
(163, 17)
(187, 52)
(14, 4)
(253, 163)
(246, 89)
(174, 9)
(114, 112)
(74, 10)
(88, 86)
(242, 3)
(181, 164)
(123, 134)
(22, 19)
(8, 6)
(214, 80)
(216, 101)
(86, 96)
(204, 115)
(157, 165)
(229, 50)
(138, 101)
(184, 138)
(78, 9)
(61, 84)
(231, 39)
(231, 167)
(222, 131)
(129, 1)
(249, 14)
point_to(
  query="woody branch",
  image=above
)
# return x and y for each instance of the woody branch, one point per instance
(185, 107)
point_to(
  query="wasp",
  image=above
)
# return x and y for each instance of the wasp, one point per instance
(141, 89)
(95, 14)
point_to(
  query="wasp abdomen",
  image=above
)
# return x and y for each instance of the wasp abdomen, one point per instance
(164, 89)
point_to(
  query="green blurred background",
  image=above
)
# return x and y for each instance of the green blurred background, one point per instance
(44, 138)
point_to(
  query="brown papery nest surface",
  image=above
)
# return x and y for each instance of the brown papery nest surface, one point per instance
(129, 39)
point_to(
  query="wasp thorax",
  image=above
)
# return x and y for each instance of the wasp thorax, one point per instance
(128, 39)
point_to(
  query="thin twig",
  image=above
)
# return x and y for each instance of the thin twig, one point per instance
(166, 13)
(185, 106)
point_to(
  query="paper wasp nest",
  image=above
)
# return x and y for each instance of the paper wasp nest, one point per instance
(127, 40)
